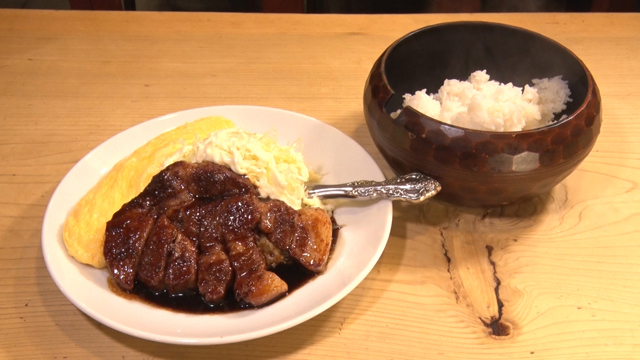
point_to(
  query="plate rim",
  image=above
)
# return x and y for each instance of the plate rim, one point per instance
(46, 231)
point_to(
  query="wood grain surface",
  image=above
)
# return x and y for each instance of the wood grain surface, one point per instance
(557, 277)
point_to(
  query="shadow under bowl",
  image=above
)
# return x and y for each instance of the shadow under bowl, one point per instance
(480, 168)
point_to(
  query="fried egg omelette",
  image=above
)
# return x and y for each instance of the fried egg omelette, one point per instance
(84, 229)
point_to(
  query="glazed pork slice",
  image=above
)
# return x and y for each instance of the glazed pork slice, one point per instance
(182, 182)
(125, 238)
(153, 263)
(201, 227)
(254, 284)
(215, 275)
(210, 180)
(313, 238)
(305, 234)
(176, 186)
(182, 267)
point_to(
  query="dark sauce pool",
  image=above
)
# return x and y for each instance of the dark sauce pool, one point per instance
(294, 274)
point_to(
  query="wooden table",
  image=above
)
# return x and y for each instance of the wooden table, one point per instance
(558, 277)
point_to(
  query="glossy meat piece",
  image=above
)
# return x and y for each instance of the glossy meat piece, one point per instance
(304, 234)
(126, 235)
(182, 267)
(175, 187)
(210, 227)
(151, 270)
(313, 238)
(212, 181)
(215, 275)
(181, 182)
(188, 219)
(254, 284)
(212, 235)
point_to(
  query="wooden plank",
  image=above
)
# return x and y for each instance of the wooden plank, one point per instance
(568, 263)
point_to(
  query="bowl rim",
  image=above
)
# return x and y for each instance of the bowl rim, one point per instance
(568, 118)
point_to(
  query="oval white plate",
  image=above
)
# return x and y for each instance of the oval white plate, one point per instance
(326, 150)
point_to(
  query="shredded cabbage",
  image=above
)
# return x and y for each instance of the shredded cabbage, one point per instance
(279, 172)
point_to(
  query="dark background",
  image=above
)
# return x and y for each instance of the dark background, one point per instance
(336, 6)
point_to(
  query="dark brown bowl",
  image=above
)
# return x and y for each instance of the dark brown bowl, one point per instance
(479, 168)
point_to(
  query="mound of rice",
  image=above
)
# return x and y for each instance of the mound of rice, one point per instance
(483, 104)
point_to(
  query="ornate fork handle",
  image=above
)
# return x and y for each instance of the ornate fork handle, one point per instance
(414, 187)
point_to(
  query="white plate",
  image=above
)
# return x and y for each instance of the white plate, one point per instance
(327, 150)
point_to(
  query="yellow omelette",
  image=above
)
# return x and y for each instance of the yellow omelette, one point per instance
(84, 228)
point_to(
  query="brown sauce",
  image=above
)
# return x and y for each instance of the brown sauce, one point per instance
(294, 274)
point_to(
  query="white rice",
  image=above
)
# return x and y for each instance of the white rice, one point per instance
(484, 104)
